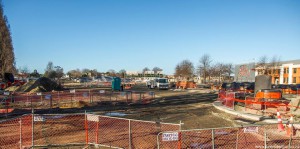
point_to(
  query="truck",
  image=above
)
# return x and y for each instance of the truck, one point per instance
(159, 83)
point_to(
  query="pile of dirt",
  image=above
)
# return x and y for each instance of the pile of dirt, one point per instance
(42, 84)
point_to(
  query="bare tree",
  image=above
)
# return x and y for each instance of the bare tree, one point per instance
(75, 73)
(145, 69)
(185, 69)
(274, 64)
(59, 72)
(49, 71)
(265, 67)
(228, 70)
(262, 65)
(111, 72)
(94, 73)
(205, 62)
(23, 70)
(122, 73)
(156, 70)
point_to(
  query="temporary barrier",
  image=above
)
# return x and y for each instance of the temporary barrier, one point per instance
(71, 99)
(45, 130)
(248, 137)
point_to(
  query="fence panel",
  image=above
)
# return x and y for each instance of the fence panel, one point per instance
(250, 137)
(276, 138)
(112, 132)
(58, 129)
(10, 134)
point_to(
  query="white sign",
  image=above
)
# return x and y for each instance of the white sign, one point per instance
(151, 93)
(85, 94)
(72, 91)
(170, 136)
(48, 96)
(102, 91)
(6, 93)
(39, 94)
(251, 130)
(38, 118)
(93, 118)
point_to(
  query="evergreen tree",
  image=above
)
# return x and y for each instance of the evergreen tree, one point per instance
(7, 56)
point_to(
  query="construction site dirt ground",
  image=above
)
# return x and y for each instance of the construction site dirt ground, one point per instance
(192, 107)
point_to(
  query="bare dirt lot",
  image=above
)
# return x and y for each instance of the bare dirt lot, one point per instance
(192, 107)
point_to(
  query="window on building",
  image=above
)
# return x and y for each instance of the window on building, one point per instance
(287, 70)
(284, 70)
(294, 79)
(284, 80)
(287, 80)
(295, 70)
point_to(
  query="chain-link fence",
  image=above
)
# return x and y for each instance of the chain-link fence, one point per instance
(248, 137)
(61, 130)
(70, 99)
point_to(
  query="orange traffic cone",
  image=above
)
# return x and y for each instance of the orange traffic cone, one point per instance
(280, 125)
(290, 129)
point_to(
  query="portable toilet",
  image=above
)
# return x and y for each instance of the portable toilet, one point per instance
(116, 84)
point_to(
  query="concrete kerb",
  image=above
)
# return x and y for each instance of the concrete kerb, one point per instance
(219, 106)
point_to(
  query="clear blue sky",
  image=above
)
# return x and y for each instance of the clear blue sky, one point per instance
(133, 34)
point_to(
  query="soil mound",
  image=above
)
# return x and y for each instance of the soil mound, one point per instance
(42, 84)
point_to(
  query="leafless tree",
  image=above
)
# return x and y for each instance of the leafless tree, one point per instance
(122, 73)
(75, 73)
(23, 70)
(185, 69)
(262, 65)
(228, 70)
(205, 62)
(156, 70)
(265, 67)
(111, 72)
(145, 69)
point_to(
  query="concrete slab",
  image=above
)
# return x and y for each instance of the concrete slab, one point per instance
(252, 117)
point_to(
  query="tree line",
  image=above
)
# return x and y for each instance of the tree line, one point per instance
(206, 69)
(56, 72)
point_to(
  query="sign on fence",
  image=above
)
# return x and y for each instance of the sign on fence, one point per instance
(170, 136)
(39, 94)
(38, 118)
(85, 94)
(6, 93)
(72, 91)
(94, 118)
(102, 91)
(251, 130)
(48, 96)
(151, 93)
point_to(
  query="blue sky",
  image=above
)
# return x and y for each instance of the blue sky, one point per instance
(133, 34)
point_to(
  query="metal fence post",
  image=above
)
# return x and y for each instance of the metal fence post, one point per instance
(265, 137)
(179, 136)
(157, 139)
(213, 138)
(20, 132)
(32, 127)
(129, 131)
(86, 129)
(237, 139)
